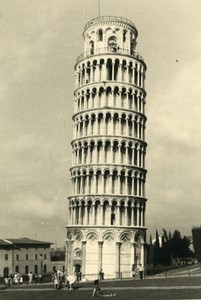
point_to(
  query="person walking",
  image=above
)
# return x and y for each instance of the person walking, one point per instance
(55, 280)
(101, 275)
(97, 291)
(30, 277)
(141, 271)
(133, 271)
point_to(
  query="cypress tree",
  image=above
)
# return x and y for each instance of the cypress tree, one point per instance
(196, 233)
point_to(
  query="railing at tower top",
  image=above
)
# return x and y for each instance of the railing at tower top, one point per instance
(109, 19)
(108, 50)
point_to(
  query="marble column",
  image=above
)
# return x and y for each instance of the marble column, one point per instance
(100, 255)
(118, 246)
(83, 257)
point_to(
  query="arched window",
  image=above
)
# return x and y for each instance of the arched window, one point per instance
(100, 35)
(91, 45)
(124, 36)
(112, 44)
(6, 272)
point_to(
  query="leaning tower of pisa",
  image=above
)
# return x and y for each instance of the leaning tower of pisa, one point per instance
(106, 222)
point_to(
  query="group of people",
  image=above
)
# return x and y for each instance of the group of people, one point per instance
(18, 279)
(140, 270)
(34, 278)
(97, 290)
(63, 280)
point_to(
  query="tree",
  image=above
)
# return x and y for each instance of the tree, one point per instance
(196, 233)
(157, 252)
(165, 235)
(171, 246)
(179, 247)
(150, 253)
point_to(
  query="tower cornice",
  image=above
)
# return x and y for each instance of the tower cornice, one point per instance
(110, 20)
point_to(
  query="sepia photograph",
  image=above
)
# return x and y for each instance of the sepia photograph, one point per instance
(100, 156)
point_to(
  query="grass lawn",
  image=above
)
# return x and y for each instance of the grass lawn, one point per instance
(170, 288)
(86, 295)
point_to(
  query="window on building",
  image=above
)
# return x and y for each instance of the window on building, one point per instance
(91, 46)
(45, 256)
(124, 36)
(26, 269)
(100, 35)
(27, 256)
(36, 256)
(17, 269)
(112, 44)
(6, 272)
(45, 268)
(6, 256)
(36, 269)
(17, 257)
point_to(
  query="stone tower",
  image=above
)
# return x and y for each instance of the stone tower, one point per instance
(106, 226)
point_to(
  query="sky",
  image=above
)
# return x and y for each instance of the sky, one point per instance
(40, 41)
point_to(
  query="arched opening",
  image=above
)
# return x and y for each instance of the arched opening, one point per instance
(129, 182)
(91, 47)
(106, 181)
(99, 149)
(106, 213)
(107, 151)
(129, 214)
(89, 212)
(90, 181)
(45, 268)
(116, 68)
(113, 210)
(98, 181)
(122, 182)
(6, 272)
(115, 183)
(26, 269)
(116, 94)
(115, 151)
(91, 151)
(122, 213)
(130, 153)
(112, 44)
(109, 69)
(124, 36)
(123, 97)
(108, 123)
(36, 269)
(100, 35)
(100, 121)
(97, 213)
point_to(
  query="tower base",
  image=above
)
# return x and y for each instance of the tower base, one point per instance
(92, 249)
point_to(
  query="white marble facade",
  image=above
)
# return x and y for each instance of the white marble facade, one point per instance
(106, 224)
